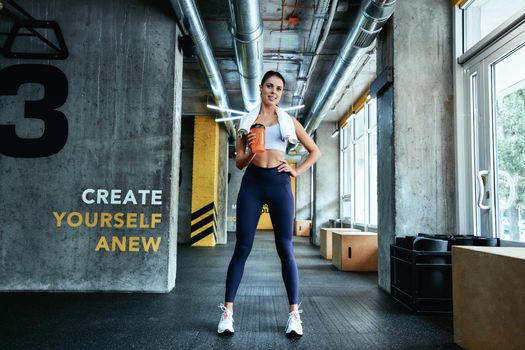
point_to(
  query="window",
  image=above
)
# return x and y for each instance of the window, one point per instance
(490, 119)
(359, 168)
(346, 159)
(508, 103)
(372, 164)
(481, 17)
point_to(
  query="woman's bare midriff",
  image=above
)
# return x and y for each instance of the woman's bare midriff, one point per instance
(268, 159)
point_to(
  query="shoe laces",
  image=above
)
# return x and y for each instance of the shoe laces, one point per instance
(294, 315)
(226, 311)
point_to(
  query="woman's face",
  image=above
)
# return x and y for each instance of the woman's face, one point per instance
(271, 90)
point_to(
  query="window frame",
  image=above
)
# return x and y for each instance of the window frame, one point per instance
(465, 150)
(463, 56)
(348, 142)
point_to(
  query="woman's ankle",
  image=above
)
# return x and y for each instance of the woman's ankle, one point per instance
(229, 306)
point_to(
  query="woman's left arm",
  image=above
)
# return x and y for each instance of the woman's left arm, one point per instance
(314, 153)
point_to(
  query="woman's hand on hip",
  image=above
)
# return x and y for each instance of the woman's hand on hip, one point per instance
(285, 167)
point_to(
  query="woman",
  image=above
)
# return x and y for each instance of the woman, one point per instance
(267, 180)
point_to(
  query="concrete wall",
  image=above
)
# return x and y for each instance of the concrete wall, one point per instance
(175, 160)
(123, 118)
(385, 185)
(303, 199)
(423, 117)
(418, 135)
(326, 180)
(186, 166)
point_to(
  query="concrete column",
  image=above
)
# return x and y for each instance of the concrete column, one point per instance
(97, 213)
(185, 171)
(385, 184)
(385, 155)
(303, 199)
(175, 164)
(418, 134)
(205, 182)
(326, 180)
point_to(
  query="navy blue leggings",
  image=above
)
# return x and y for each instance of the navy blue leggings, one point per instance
(259, 186)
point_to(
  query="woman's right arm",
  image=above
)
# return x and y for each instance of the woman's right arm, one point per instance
(244, 157)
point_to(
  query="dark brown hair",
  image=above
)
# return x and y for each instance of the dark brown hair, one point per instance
(272, 73)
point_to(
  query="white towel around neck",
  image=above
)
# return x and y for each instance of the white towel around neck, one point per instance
(285, 123)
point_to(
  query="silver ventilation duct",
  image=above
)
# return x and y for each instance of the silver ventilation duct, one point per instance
(189, 16)
(314, 46)
(372, 16)
(247, 32)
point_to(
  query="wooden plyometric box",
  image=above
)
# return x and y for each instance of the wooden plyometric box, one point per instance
(326, 240)
(302, 227)
(488, 286)
(354, 251)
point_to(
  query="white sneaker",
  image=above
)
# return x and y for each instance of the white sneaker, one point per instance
(294, 323)
(226, 321)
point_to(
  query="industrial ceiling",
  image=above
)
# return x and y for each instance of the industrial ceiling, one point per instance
(287, 28)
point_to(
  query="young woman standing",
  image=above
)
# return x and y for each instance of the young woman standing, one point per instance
(267, 180)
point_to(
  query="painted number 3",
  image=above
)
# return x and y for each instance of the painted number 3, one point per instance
(55, 133)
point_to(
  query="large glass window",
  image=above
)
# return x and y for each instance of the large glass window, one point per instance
(359, 164)
(480, 17)
(372, 163)
(508, 77)
(346, 158)
(359, 182)
(372, 184)
(490, 120)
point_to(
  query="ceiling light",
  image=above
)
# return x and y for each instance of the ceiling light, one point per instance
(217, 108)
(233, 117)
(222, 109)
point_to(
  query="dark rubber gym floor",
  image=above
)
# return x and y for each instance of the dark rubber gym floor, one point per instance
(342, 310)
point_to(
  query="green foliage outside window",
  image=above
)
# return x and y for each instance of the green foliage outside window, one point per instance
(511, 163)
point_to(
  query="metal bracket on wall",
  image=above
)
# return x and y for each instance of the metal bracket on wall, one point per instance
(23, 20)
(383, 80)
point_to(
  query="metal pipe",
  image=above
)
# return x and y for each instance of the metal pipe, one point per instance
(191, 20)
(247, 31)
(373, 15)
(318, 50)
(314, 44)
